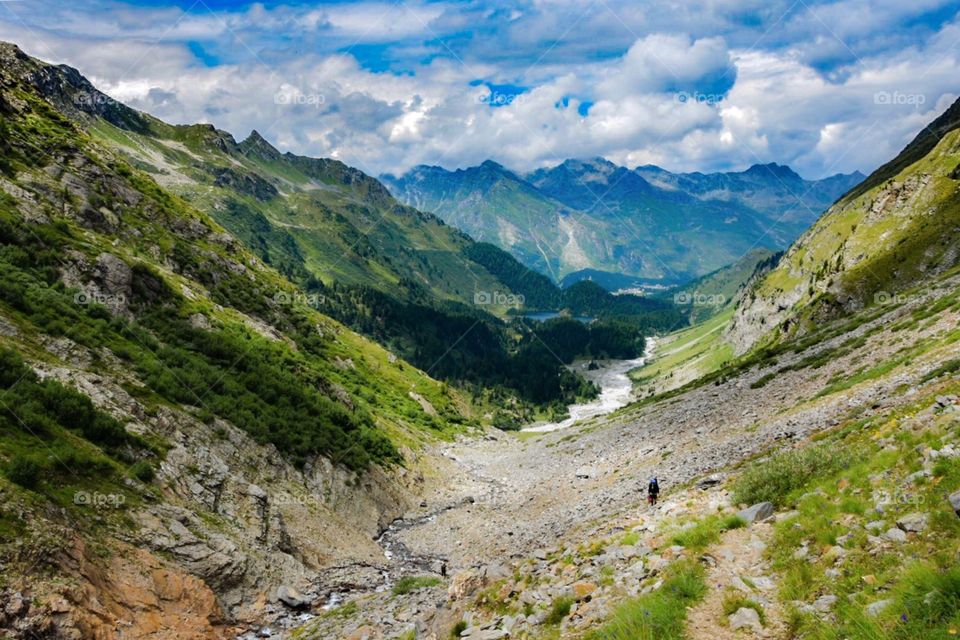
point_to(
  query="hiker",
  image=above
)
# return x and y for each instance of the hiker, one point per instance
(653, 490)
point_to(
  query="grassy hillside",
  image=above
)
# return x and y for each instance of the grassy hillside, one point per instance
(882, 239)
(399, 276)
(96, 253)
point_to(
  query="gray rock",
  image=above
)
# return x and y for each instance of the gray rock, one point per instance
(292, 598)
(709, 481)
(823, 604)
(895, 535)
(757, 513)
(764, 583)
(915, 522)
(746, 618)
(586, 472)
(7, 328)
(874, 609)
(496, 571)
(955, 502)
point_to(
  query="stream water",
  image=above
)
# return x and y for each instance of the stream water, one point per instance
(616, 390)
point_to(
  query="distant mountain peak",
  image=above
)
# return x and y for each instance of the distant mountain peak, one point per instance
(491, 164)
(256, 143)
(781, 171)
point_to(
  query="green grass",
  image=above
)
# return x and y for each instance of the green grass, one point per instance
(919, 577)
(559, 610)
(698, 346)
(630, 539)
(775, 479)
(408, 584)
(733, 602)
(706, 531)
(343, 611)
(658, 615)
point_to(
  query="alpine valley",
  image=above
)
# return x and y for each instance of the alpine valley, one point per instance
(250, 394)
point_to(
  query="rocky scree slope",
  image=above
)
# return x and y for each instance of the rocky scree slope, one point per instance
(851, 435)
(179, 434)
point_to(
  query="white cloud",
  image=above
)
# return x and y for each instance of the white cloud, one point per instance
(750, 96)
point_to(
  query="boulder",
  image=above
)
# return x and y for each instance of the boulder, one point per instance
(583, 590)
(876, 608)
(757, 513)
(915, 522)
(292, 598)
(895, 535)
(709, 481)
(955, 502)
(823, 604)
(586, 472)
(746, 618)
(496, 571)
(465, 583)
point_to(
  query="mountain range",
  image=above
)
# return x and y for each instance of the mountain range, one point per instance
(649, 223)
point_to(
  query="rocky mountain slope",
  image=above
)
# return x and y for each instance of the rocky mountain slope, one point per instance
(181, 433)
(593, 215)
(392, 273)
(879, 244)
(812, 491)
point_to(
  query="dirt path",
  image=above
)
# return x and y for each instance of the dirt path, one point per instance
(739, 569)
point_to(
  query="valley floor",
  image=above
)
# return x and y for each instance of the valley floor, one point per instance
(547, 536)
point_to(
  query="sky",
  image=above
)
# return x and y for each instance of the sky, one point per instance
(693, 85)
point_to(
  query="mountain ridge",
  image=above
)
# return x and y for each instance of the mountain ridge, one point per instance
(646, 222)
(898, 228)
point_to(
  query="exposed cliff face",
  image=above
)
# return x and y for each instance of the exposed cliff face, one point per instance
(872, 247)
(134, 593)
(232, 521)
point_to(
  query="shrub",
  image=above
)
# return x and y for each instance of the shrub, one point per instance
(559, 609)
(774, 479)
(458, 628)
(733, 602)
(143, 471)
(407, 584)
(24, 472)
(762, 381)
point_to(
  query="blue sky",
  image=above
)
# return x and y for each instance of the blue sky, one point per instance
(689, 85)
